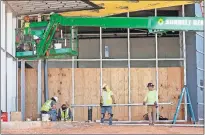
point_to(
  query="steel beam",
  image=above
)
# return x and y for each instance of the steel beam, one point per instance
(129, 80)
(23, 89)
(39, 97)
(157, 70)
(151, 59)
(137, 104)
(46, 93)
(73, 85)
(101, 62)
(17, 84)
(184, 53)
(164, 125)
(73, 70)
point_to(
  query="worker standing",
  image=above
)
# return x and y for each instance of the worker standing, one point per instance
(64, 113)
(49, 107)
(107, 99)
(151, 100)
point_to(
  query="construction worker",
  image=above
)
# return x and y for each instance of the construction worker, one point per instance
(151, 100)
(107, 99)
(49, 107)
(64, 113)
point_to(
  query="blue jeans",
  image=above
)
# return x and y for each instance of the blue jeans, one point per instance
(105, 109)
(53, 114)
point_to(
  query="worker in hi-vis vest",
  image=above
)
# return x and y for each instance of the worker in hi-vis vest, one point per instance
(106, 101)
(64, 113)
(49, 107)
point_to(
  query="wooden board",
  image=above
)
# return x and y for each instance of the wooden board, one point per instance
(139, 79)
(117, 80)
(31, 93)
(87, 89)
(60, 85)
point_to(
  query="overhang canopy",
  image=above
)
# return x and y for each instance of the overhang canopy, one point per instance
(45, 7)
(92, 7)
(112, 7)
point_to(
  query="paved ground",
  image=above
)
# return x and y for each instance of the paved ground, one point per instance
(97, 129)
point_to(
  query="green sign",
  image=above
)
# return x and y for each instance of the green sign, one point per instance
(176, 23)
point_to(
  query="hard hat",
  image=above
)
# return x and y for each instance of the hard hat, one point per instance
(104, 85)
(56, 98)
(51, 13)
(35, 37)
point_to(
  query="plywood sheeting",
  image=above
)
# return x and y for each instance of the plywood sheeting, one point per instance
(31, 93)
(60, 85)
(87, 89)
(117, 80)
(170, 85)
(139, 79)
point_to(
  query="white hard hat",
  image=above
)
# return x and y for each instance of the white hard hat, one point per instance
(56, 98)
(35, 37)
(51, 13)
(104, 85)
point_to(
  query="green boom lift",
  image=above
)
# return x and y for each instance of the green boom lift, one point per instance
(45, 31)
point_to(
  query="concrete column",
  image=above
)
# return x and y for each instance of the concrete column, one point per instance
(14, 24)
(3, 59)
(9, 32)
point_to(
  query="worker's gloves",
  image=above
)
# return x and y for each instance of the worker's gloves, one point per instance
(144, 103)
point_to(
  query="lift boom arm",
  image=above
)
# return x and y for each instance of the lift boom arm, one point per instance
(153, 24)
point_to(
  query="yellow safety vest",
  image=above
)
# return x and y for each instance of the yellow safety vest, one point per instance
(107, 99)
(27, 24)
(26, 28)
(46, 106)
(64, 114)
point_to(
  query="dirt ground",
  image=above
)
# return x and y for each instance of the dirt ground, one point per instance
(104, 129)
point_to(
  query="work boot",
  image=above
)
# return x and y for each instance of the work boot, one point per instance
(151, 123)
(102, 120)
(110, 121)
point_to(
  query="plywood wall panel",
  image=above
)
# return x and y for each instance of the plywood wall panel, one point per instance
(175, 84)
(60, 85)
(87, 89)
(139, 79)
(31, 93)
(117, 80)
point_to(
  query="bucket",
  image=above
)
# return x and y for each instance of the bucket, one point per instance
(28, 119)
(45, 117)
(58, 45)
(4, 116)
(38, 119)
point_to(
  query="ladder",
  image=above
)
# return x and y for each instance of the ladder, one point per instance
(184, 91)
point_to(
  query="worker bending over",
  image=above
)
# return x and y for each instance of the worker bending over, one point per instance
(107, 99)
(151, 100)
(49, 107)
(64, 113)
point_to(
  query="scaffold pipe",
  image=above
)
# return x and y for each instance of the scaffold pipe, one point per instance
(137, 104)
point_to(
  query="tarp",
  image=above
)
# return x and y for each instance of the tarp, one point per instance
(112, 7)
